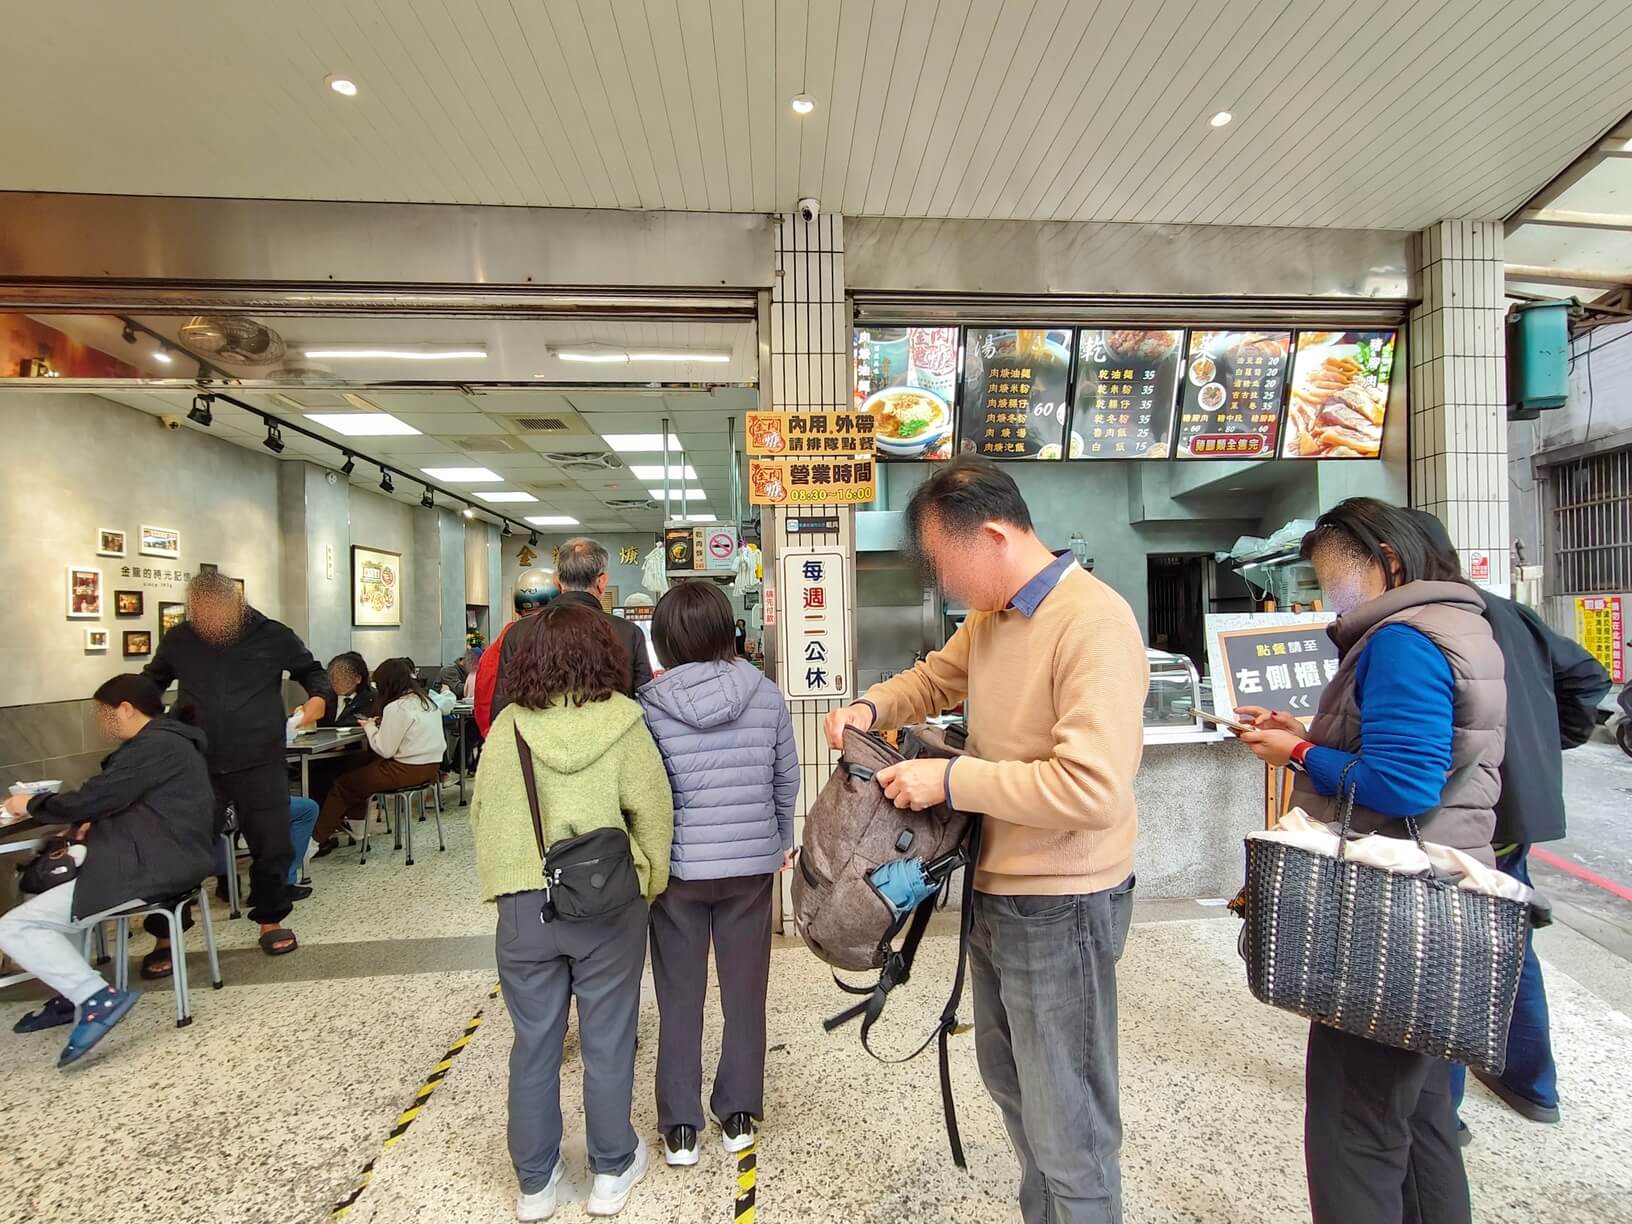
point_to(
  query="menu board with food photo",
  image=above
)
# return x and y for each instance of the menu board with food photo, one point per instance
(1126, 384)
(906, 378)
(1339, 395)
(1230, 405)
(1014, 392)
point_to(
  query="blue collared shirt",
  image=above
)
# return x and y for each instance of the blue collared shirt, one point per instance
(1030, 597)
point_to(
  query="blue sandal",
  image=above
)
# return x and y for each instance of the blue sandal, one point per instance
(56, 1011)
(97, 1016)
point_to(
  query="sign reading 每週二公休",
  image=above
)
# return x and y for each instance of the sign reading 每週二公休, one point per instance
(1599, 627)
(811, 482)
(815, 637)
(1279, 661)
(796, 434)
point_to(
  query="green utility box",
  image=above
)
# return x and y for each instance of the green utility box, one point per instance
(1538, 359)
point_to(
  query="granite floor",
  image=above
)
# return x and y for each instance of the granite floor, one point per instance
(268, 1107)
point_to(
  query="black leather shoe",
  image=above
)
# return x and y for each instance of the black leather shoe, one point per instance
(297, 892)
(328, 847)
(680, 1145)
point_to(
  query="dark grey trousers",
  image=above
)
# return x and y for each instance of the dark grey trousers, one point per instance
(737, 912)
(1043, 972)
(543, 967)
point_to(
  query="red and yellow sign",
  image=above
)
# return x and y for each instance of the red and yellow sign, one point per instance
(840, 432)
(843, 480)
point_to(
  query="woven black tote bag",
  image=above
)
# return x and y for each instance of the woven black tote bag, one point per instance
(1410, 962)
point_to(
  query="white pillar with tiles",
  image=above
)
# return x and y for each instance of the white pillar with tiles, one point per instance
(809, 371)
(1457, 349)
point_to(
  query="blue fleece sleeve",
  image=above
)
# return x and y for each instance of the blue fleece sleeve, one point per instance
(1407, 699)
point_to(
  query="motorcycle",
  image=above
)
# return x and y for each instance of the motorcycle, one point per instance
(1619, 722)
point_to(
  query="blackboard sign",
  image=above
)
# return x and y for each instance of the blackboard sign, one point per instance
(1126, 383)
(1015, 383)
(1278, 667)
(1234, 383)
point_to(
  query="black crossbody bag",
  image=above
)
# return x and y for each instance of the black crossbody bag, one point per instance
(588, 876)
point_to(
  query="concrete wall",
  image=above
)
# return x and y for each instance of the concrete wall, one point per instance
(625, 577)
(379, 522)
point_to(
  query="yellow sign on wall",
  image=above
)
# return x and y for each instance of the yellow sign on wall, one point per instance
(800, 482)
(795, 434)
(1599, 628)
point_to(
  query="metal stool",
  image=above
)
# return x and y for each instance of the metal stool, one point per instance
(171, 912)
(229, 838)
(397, 809)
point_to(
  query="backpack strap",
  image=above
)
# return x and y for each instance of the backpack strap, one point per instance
(949, 1017)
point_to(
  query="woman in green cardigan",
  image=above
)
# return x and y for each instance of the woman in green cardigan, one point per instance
(596, 767)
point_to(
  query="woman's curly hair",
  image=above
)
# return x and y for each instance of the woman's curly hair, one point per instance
(571, 653)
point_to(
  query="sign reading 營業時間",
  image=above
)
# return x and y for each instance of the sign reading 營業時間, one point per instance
(801, 482)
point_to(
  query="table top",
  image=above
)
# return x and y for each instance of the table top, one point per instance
(326, 738)
(464, 707)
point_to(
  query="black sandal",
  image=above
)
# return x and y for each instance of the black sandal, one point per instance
(271, 939)
(151, 962)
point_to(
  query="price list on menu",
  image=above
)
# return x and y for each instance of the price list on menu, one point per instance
(1014, 392)
(1234, 383)
(1126, 383)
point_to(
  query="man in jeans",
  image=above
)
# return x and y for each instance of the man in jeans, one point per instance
(1052, 664)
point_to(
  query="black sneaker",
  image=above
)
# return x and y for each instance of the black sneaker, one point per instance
(327, 847)
(296, 892)
(680, 1145)
(738, 1133)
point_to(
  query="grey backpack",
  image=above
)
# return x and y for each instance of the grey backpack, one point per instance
(869, 870)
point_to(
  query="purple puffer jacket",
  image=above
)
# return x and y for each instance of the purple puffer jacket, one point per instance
(727, 741)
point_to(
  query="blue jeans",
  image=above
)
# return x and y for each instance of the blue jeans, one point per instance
(302, 820)
(1043, 973)
(1530, 1071)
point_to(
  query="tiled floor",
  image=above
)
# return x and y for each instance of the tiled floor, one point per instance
(269, 1106)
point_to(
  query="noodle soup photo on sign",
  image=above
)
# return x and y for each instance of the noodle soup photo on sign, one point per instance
(906, 384)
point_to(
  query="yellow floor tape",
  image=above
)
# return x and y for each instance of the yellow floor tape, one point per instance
(421, 1095)
(747, 1181)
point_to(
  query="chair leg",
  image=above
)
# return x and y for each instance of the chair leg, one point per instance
(405, 823)
(440, 844)
(99, 936)
(368, 819)
(121, 954)
(209, 941)
(398, 821)
(178, 965)
(232, 876)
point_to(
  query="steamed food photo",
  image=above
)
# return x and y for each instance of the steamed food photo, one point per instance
(1339, 398)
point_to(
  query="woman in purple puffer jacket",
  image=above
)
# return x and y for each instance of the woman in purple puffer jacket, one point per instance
(727, 742)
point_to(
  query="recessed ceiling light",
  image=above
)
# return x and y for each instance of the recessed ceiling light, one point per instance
(506, 495)
(362, 424)
(344, 86)
(803, 104)
(679, 494)
(654, 471)
(426, 353)
(552, 520)
(464, 475)
(639, 442)
(1220, 119)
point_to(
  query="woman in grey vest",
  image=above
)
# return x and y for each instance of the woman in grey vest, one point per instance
(1414, 718)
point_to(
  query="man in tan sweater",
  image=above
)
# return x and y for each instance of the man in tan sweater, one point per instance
(1052, 665)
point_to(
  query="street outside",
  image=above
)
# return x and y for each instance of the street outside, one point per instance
(1590, 881)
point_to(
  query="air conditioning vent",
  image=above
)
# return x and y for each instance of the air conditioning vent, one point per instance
(489, 444)
(631, 503)
(542, 425)
(586, 461)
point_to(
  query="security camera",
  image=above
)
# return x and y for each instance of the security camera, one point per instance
(170, 422)
(809, 208)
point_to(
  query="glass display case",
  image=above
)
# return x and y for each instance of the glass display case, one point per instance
(1174, 698)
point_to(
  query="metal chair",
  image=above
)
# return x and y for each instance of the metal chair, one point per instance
(396, 807)
(229, 838)
(171, 912)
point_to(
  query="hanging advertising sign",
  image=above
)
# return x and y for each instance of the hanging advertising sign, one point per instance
(1015, 392)
(1230, 406)
(815, 639)
(906, 381)
(809, 433)
(719, 549)
(810, 482)
(1598, 627)
(1126, 384)
(1339, 399)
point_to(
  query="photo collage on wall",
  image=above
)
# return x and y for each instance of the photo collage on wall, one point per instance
(1142, 393)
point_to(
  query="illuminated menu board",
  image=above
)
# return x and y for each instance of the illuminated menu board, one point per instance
(1126, 383)
(906, 380)
(1230, 403)
(1015, 388)
(1340, 384)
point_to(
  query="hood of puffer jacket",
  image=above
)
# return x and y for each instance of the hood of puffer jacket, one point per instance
(568, 738)
(704, 694)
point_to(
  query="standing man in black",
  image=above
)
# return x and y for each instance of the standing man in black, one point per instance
(580, 571)
(230, 661)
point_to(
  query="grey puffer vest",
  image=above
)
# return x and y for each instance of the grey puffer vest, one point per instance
(1451, 616)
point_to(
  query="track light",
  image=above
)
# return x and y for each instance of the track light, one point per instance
(129, 333)
(385, 482)
(349, 466)
(427, 500)
(273, 440)
(470, 512)
(201, 414)
(507, 533)
(532, 539)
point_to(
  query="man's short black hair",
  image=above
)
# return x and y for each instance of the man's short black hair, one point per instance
(964, 494)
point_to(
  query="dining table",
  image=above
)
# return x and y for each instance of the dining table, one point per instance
(319, 744)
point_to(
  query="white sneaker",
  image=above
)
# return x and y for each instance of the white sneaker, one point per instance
(610, 1192)
(540, 1204)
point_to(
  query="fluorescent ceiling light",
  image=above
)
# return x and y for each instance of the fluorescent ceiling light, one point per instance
(423, 353)
(1220, 119)
(552, 520)
(700, 518)
(362, 424)
(596, 358)
(467, 475)
(679, 494)
(654, 471)
(714, 358)
(506, 495)
(597, 354)
(640, 442)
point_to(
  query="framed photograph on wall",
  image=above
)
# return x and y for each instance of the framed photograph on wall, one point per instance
(138, 643)
(128, 603)
(109, 543)
(243, 591)
(96, 639)
(205, 567)
(84, 593)
(376, 587)
(161, 542)
(170, 615)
